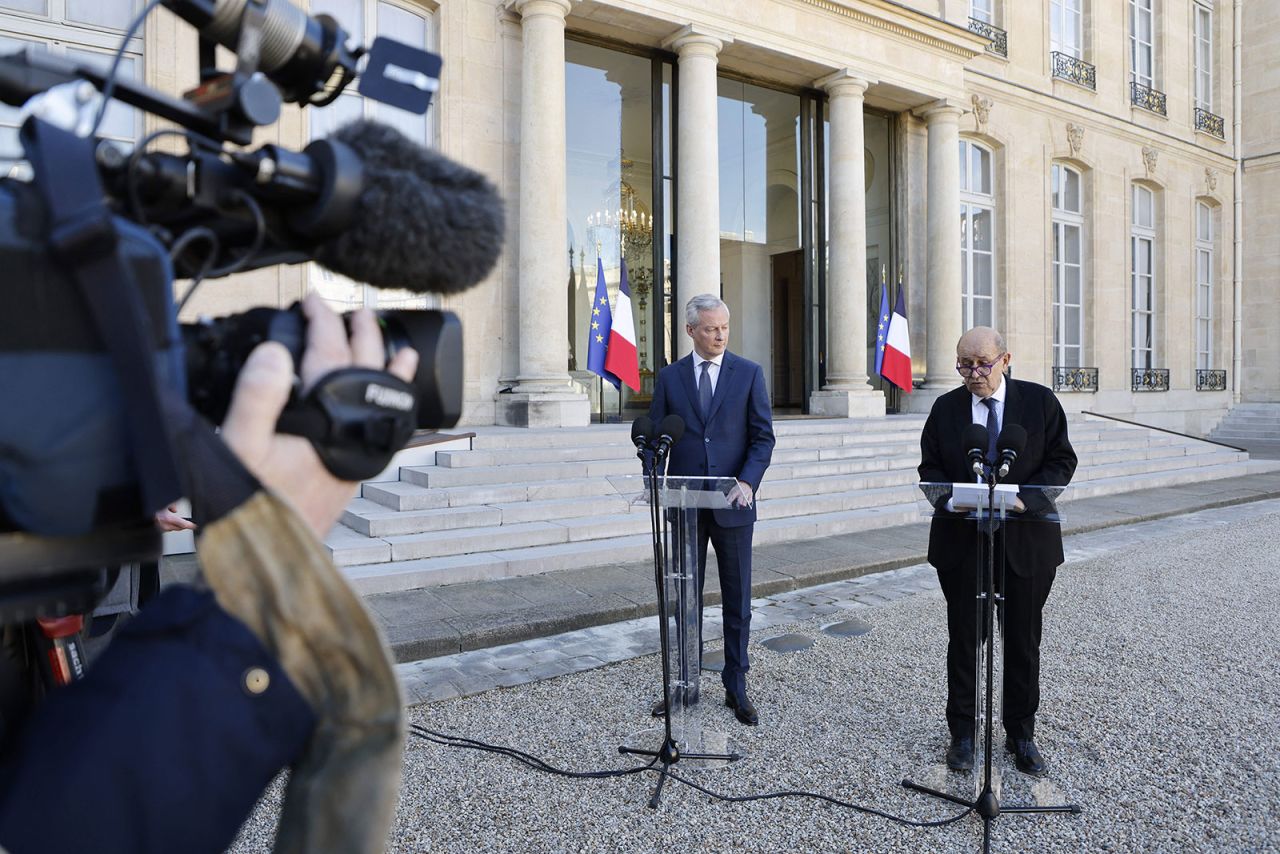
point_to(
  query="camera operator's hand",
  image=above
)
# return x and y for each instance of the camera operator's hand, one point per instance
(169, 520)
(288, 465)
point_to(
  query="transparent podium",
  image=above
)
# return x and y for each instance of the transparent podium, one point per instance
(1018, 513)
(673, 504)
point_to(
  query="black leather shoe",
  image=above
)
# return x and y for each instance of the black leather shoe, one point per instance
(1026, 756)
(960, 753)
(660, 708)
(743, 710)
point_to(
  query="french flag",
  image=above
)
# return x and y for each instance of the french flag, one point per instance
(897, 349)
(623, 360)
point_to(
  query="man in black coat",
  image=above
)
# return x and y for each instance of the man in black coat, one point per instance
(1033, 550)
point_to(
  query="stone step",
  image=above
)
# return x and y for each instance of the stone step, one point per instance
(1111, 485)
(504, 563)
(521, 456)
(1138, 468)
(437, 476)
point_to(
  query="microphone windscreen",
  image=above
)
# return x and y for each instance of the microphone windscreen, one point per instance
(974, 436)
(641, 430)
(1012, 438)
(422, 222)
(673, 426)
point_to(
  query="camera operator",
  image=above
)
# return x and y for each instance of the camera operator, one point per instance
(267, 660)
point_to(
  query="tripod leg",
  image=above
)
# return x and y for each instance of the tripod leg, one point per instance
(916, 787)
(657, 792)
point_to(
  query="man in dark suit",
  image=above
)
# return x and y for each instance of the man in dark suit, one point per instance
(1033, 550)
(728, 433)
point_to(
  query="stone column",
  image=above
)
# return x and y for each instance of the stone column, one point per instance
(543, 395)
(846, 393)
(697, 171)
(943, 327)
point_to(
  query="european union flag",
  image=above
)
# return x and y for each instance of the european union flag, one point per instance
(882, 327)
(601, 327)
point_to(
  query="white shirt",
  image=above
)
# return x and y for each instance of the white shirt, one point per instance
(714, 371)
(980, 408)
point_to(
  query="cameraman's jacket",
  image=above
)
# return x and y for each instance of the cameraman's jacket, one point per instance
(268, 660)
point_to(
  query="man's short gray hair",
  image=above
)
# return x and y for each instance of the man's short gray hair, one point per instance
(700, 303)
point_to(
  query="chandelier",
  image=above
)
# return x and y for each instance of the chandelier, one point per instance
(632, 220)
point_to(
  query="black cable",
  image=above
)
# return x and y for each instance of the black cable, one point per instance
(522, 757)
(796, 793)
(181, 245)
(259, 237)
(109, 88)
(540, 765)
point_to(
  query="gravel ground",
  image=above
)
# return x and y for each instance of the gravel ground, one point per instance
(1159, 717)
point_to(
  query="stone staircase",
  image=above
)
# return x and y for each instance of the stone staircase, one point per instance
(1255, 426)
(524, 502)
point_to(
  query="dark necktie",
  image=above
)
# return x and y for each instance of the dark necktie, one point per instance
(993, 428)
(704, 389)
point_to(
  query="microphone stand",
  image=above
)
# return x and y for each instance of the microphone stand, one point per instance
(669, 753)
(986, 804)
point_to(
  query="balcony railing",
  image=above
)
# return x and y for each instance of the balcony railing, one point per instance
(1150, 379)
(999, 38)
(1211, 380)
(1147, 98)
(1209, 123)
(1067, 67)
(1075, 379)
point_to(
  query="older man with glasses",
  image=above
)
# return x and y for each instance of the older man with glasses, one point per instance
(1033, 550)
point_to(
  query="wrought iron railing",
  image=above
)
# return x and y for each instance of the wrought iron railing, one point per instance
(1067, 67)
(1147, 98)
(1209, 123)
(999, 38)
(1150, 379)
(1211, 380)
(1075, 379)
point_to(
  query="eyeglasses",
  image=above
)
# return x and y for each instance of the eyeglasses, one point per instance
(979, 370)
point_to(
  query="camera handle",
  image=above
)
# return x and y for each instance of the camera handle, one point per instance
(356, 418)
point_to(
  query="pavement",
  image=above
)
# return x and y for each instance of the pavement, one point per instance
(422, 624)
(1158, 719)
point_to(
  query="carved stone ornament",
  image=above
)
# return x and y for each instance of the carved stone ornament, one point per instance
(1210, 179)
(1149, 156)
(981, 112)
(1075, 139)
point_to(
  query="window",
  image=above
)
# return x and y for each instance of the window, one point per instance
(1142, 276)
(1068, 268)
(1066, 27)
(1204, 286)
(364, 20)
(982, 10)
(977, 235)
(86, 31)
(1142, 40)
(1203, 39)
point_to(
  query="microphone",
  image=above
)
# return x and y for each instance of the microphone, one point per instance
(1012, 441)
(669, 432)
(642, 432)
(421, 221)
(974, 441)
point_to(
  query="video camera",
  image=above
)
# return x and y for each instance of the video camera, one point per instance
(93, 364)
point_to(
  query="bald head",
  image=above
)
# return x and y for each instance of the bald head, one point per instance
(977, 349)
(981, 339)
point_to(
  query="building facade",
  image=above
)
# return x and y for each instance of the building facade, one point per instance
(799, 156)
